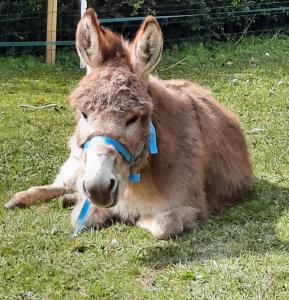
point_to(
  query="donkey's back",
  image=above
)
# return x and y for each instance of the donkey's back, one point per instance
(211, 135)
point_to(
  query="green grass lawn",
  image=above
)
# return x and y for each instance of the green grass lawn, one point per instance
(241, 254)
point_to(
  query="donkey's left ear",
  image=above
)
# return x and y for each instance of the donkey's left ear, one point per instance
(146, 49)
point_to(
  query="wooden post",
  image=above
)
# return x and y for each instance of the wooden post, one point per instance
(51, 30)
(83, 7)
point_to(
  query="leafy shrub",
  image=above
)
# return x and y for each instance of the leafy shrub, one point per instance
(201, 20)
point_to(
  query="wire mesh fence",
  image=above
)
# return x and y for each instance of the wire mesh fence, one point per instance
(23, 23)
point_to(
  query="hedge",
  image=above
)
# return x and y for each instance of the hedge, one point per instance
(204, 20)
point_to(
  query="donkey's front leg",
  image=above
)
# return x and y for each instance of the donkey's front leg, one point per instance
(170, 222)
(35, 194)
(65, 182)
(97, 217)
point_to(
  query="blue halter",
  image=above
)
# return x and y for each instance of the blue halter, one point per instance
(133, 177)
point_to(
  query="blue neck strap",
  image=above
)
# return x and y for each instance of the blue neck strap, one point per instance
(153, 149)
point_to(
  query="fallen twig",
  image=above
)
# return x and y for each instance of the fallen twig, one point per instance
(177, 63)
(245, 31)
(257, 130)
(276, 34)
(40, 107)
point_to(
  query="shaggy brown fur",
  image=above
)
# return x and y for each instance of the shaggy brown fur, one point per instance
(202, 165)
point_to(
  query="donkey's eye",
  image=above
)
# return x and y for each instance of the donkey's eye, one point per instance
(84, 115)
(131, 120)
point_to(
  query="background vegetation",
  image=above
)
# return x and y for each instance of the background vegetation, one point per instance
(241, 254)
(201, 20)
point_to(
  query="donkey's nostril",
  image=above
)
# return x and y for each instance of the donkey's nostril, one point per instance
(83, 186)
(112, 184)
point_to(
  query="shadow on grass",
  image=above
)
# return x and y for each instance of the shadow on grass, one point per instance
(250, 227)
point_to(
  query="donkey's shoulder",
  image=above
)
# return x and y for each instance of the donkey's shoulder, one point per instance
(199, 96)
(183, 86)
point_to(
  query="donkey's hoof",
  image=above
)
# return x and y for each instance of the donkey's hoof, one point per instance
(20, 199)
(8, 205)
(97, 217)
(13, 203)
(69, 200)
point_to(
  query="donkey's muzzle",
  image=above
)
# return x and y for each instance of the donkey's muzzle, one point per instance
(102, 190)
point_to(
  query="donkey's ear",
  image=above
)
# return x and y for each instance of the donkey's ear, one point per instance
(88, 39)
(146, 49)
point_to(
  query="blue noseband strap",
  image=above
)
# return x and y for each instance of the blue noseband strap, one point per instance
(116, 145)
(153, 149)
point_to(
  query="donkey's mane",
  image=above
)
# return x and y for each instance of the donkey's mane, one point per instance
(111, 89)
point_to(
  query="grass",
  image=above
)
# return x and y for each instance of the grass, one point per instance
(241, 254)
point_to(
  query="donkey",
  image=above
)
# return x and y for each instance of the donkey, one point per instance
(202, 164)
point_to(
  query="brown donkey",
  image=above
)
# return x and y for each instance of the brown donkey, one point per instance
(202, 165)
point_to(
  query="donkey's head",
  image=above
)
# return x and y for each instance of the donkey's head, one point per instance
(112, 101)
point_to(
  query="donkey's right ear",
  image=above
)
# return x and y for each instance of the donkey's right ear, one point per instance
(88, 39)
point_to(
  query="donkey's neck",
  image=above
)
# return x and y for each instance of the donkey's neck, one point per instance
(167, 118)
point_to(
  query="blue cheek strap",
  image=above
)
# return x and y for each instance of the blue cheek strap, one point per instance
(153, 147)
